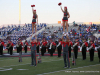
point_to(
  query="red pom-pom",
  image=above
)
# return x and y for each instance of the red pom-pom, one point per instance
(59, 3)
(32, 5)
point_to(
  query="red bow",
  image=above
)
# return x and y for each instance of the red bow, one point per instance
(34, 10)
(65, 7)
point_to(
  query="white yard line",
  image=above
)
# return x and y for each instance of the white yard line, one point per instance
(67, 69)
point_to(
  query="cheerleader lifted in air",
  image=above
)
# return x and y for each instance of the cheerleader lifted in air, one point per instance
(35, 16)
(65, 18)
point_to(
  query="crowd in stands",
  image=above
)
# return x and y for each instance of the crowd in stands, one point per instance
(79, 32)
(14, 32)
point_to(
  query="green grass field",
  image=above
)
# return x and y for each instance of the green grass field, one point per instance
(49, 66)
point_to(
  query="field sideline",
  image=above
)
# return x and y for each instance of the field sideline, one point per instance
(49, 66)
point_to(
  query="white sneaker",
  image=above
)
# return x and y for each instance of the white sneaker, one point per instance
(67, 33)
(63, 32)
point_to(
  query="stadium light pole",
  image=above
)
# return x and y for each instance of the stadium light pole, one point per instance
(19, 11)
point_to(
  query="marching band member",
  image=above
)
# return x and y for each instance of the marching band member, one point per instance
(43, 49)
(70, 45)
(20, 50)
(91, 50)
(7, 47)
(25, 46)
(1, 47)
(37, 47)
(84, 48)
(48, 46)
(52, 47)
(11, 47)
(98, 50)
(59, 47)
(75, 48)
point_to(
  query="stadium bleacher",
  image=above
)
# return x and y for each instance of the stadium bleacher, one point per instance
(50, 32)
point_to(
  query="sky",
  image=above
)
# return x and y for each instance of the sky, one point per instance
(48, 11)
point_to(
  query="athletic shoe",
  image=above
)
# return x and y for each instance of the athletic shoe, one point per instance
(65, 66)
(63, 33)
(67, 33)
(31, 65)
(69, 67)
(35, 65)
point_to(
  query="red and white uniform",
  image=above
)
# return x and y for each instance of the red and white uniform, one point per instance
(44, 43)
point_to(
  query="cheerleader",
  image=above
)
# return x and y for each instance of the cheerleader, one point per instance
(65, 19)
(35, 16)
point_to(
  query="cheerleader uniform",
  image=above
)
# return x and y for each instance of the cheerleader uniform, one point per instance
(34, 18)
(65, 17)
